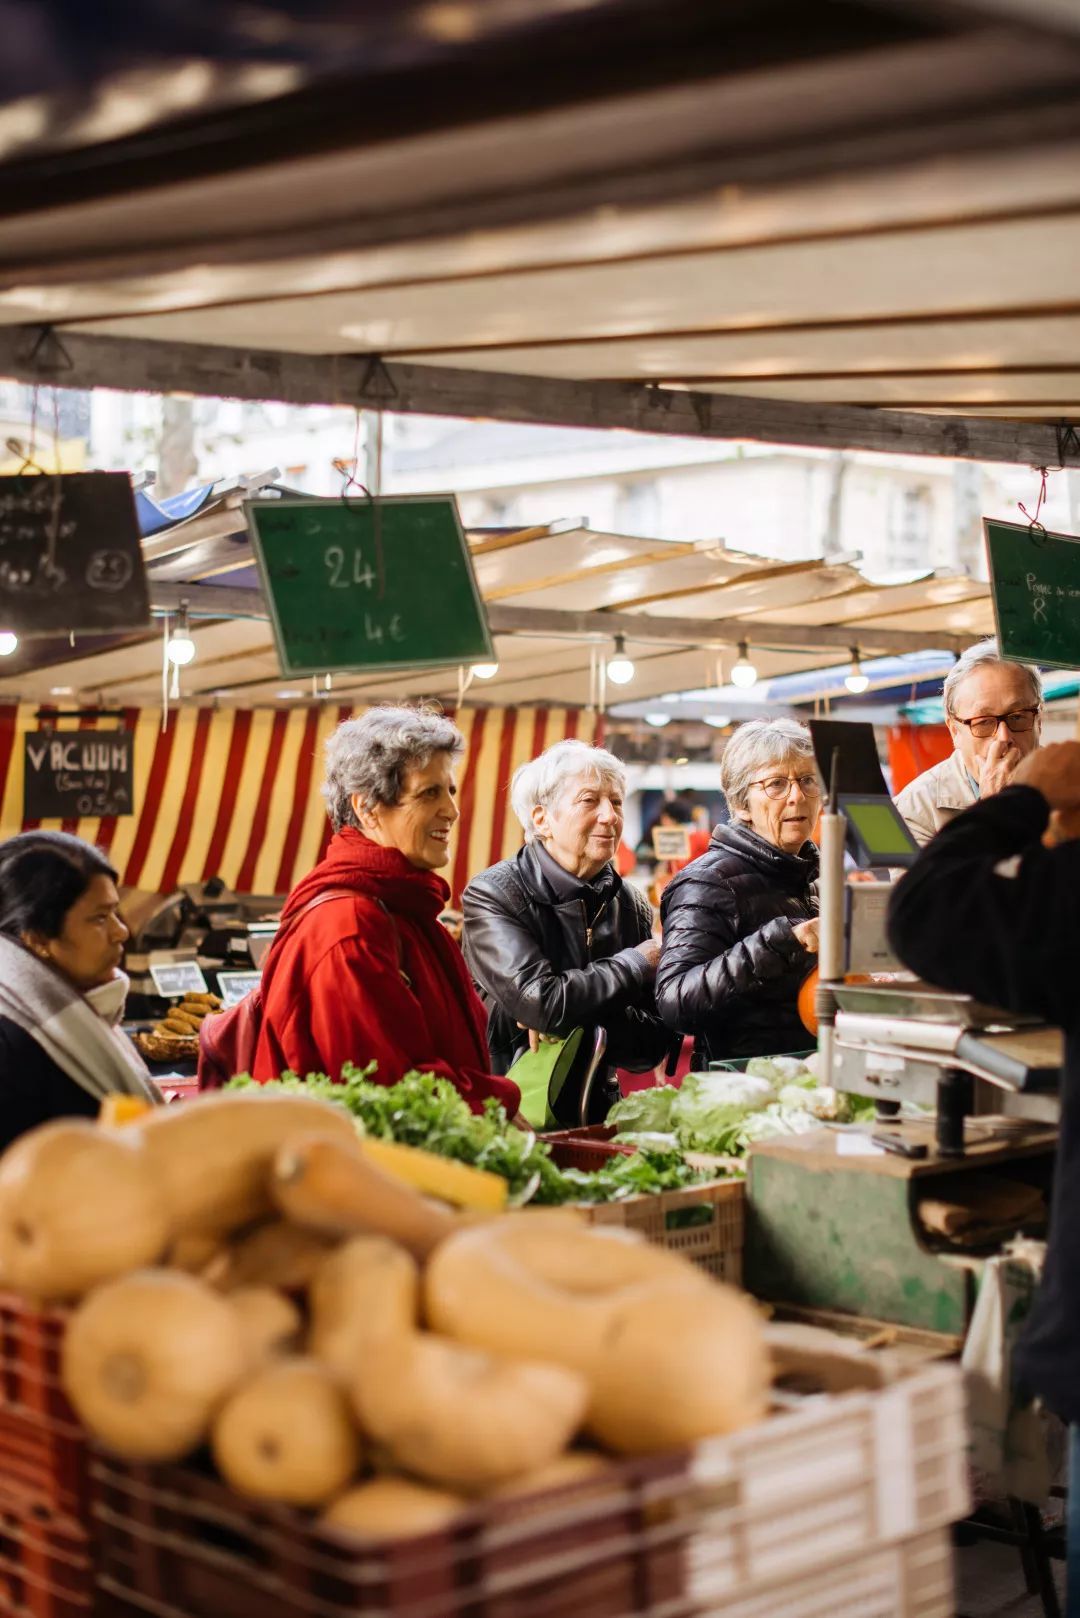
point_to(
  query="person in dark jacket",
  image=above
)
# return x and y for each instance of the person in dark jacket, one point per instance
(62, 991)
(740, 922)
(988, 910)
(554, 937)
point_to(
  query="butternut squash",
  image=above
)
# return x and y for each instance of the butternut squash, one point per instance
(78, 1205)
(393, 1508)
(271, 1322)
(442, 1177)
(367, 1288)
(148, 1360)
(463, 1419)
(212, 1156)
(271, 1254)
(288, 1435)
(671, 1356)
(326, 1185)
(576, 1466)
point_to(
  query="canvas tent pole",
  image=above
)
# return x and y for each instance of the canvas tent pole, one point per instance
(75, 359)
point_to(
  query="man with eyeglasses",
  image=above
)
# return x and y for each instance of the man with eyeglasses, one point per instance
(993, 709)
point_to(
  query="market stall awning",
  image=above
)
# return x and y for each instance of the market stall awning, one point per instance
(556, 594)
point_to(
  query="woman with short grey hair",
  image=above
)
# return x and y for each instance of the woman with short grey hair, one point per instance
(740, 922)
(554, 937)
(361, 969)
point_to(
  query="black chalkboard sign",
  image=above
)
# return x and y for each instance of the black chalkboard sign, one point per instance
(70, 555)
(363, 586)
(71, 773)
(1035, 579)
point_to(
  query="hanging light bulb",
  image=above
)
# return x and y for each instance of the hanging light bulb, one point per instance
(658, 720)
(620, 670)
(485, 671)
(855, 680)
(743, 672)
(181, 648)
(8, 642)
(719, 721)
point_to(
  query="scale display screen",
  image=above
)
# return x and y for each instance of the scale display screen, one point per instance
(878, 831)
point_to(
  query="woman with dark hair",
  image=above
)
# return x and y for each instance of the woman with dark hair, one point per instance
(62, 991)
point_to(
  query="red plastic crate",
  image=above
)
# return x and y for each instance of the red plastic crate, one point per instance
(585, 1149)
(45, 1462)
(30, 1344)
(174, 1542)
(46, 1565)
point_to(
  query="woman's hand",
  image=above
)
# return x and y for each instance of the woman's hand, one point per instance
(807, 934)
(535, 1038)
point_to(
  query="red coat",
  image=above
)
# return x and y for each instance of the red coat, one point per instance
(333, 989)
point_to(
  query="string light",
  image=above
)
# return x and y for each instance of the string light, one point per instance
(8, 642)
(485, 671)
(743, 672)
(855, 680)
(181, 648)
(620, 670)
(658, 720)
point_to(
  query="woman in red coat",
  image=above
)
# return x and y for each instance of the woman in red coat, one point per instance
(362, 969)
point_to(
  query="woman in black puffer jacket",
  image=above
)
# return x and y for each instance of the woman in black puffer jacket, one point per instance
(740, 923)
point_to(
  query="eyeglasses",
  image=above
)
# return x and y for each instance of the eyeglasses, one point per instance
(986, 724)
(778, 786)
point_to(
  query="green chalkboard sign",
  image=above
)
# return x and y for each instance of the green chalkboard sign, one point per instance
(1035, 579)
(359, 586)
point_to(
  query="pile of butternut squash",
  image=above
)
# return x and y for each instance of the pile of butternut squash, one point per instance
(247, 1273)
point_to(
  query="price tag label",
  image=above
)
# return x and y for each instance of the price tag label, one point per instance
(671, 842)
(174, 981)
(233, 986)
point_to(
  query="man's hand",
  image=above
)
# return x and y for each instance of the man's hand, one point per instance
(807, 934)
(997, 766)
(536, 1040)
(1054, 771)
(650, 949)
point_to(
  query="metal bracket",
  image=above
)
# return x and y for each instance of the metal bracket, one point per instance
(47, 353)
(1068, 441)
(376, 382)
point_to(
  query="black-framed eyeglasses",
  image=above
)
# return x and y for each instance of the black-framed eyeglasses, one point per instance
(985, 724)
(778, 786)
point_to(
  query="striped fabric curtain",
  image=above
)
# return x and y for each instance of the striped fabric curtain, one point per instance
(235, 792)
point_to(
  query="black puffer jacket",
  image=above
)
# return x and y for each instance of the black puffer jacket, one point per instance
(731, 966)
(555, 953)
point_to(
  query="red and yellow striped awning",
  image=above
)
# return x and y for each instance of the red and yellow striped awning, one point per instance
(234, 792)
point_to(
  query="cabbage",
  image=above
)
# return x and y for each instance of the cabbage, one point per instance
(710, 1106)
(649, 1140)
(645, 1110)
(773, 1122)
(821, 1102)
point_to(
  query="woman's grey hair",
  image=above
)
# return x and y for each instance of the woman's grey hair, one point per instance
(543, 780)
(757, 747)
(370, 756)
(985, 653)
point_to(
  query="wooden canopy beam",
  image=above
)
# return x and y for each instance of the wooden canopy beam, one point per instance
(226, 601)
(75, 359)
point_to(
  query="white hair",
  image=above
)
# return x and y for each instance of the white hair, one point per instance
(542, 782)
(762, 744)
(985, 654)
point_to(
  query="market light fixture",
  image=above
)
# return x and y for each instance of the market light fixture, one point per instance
(8, 642)
(659, 720)
(181, 648)
(718, 721)
(855, 680)
(485, 671)
(743, 672)
(620, 670)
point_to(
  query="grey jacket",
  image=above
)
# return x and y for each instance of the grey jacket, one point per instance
(936, 797)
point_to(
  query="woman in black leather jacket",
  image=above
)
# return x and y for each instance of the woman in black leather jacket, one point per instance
(740, 923)
(554, 938)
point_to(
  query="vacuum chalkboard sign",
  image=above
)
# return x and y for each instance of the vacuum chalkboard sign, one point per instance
(72, 773)
(366, 585)
(1035, 579)
(70, 554)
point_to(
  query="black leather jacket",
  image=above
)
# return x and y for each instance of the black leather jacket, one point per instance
(556, 953)
(731, 966)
